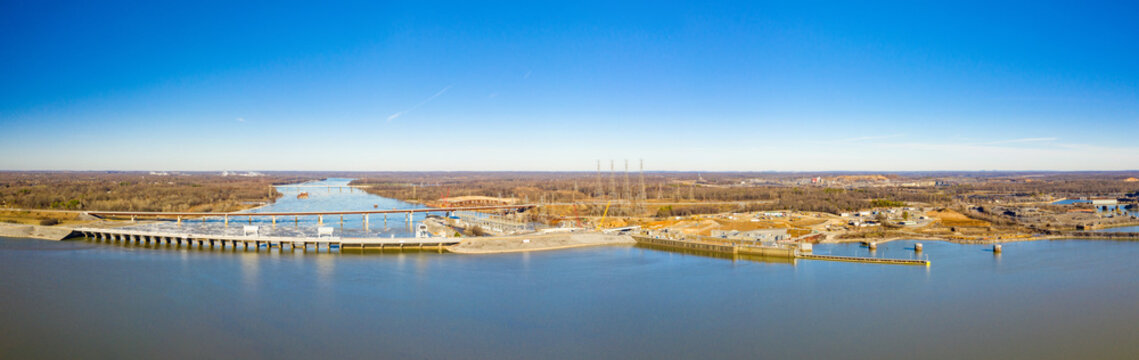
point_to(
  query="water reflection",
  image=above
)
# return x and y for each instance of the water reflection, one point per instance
(325, 269)
(250, 268)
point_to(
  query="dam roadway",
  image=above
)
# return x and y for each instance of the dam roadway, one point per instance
(253, 239)
(296, 214)
(256, 241)
(300, 213)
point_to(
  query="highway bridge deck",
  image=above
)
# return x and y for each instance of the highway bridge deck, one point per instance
(257, 241)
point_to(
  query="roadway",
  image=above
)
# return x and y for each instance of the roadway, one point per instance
(289, 213)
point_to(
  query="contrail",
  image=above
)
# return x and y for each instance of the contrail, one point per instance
(421, 103)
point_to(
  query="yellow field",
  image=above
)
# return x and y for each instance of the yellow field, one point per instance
(956, 219)
(34, 217)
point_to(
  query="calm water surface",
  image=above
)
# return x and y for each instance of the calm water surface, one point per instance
(1048, 299)
(1038, 300)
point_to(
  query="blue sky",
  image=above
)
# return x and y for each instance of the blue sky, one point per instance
(748, 86)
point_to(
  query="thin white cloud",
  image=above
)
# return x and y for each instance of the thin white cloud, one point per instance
(421, 103)
(527, 76)
(1024, 140)
(240, 119)
(867, 138)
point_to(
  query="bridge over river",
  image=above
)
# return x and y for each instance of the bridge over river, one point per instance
(356, 218)
(365, 214)
(257, 242)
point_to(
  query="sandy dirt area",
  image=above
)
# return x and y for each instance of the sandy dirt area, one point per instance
(496, 245)
(34, 231)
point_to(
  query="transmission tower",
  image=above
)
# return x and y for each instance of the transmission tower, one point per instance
(625, 192)
(644, 196)
(600, 188)
(612, 181)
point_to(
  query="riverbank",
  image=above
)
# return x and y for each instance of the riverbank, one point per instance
(1078, 236)
(34, 231)
(513, 244)
(58, 232)
(1114, 225)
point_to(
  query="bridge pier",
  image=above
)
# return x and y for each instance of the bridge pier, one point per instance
(274, 220)
(179, 220)
(251, 219)
(226, 220)
(320, 219)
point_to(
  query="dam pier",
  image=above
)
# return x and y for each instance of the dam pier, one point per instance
(254, 242)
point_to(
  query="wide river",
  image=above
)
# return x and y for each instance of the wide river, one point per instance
(1038, 300)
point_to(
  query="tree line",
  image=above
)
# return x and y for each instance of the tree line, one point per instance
(136, 191)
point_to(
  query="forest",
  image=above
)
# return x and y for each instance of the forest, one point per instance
(137, 191)
(671, 194)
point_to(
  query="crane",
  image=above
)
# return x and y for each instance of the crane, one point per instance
(603, 214)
